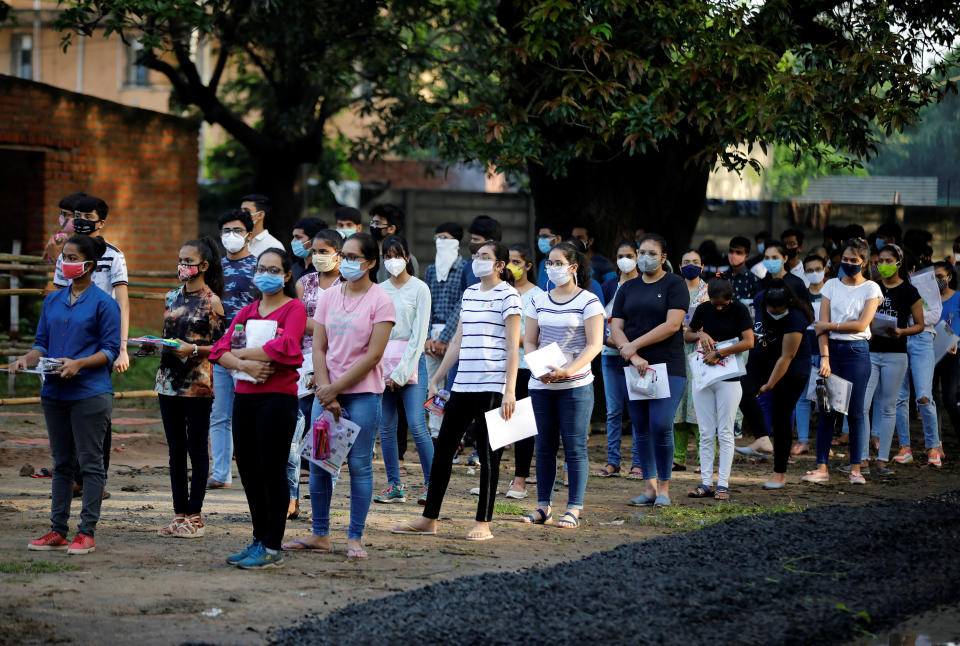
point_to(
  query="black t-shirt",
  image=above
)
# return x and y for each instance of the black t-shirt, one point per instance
(643, 306)
(796, 285)
(769, 344)
(722, 325)
(896, 302)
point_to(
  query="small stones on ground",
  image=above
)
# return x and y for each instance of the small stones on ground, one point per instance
(26, 470)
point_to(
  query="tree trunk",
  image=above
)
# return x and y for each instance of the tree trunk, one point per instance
(656, 191)
(277, 178)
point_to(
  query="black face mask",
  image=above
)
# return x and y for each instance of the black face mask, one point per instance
(475, 247)
(377, 233)
(84, 227)
(792, 253)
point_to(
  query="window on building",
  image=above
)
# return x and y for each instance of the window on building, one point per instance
(137, 75)
(21, 56)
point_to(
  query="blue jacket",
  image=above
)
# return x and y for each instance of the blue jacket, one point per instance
(90, 325)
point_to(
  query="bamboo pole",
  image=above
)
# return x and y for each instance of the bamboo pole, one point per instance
(28, 260)
(150, 296)
(129, 394)
(145, 273)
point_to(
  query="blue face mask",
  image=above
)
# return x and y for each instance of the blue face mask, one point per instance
(352, 270)
(849, 269)
(774, 266)
(543, 244)
(268, 283)
(346, 233)
(299, 250)
(777, 317)
(761, 246)
(880, 243)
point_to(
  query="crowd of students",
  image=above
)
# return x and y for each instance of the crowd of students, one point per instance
(359, 335)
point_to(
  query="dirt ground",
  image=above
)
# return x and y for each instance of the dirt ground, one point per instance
(140, 587)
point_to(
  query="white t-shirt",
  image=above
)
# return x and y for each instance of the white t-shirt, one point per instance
(111, 270)
(525, 299)
(263, 241)
(846, 304)
(563, 324)
(483, 353)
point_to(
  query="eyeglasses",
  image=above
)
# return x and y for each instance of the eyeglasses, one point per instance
(551, 263)
(268, 270)
(238, 230)
(477, 256)
(92, 217)
(379, 225)
(546, 236)
(251, 213)
(351, 257)
(684, 263)
(440, 237)
(67, 215)
(650, 254)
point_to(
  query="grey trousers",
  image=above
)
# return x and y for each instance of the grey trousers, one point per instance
(76, 430)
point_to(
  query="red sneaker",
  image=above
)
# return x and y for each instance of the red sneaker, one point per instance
(47, 542)
(81, 545)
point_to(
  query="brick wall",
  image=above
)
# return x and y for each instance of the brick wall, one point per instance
(143, 164)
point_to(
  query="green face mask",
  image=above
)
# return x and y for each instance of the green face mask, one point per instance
(886, 271)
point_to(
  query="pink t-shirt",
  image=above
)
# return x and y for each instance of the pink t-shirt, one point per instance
(349, 323)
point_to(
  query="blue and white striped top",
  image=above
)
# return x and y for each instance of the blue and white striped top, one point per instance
(483, 353)
(563, 324)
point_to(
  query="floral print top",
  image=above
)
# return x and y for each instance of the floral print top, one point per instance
(190, 317)
(311, 292)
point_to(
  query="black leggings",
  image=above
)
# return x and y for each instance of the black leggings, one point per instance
(947, 373)
(785, 395)
(523, 450)
(461, 409)
(186, 423)
(263, 426)
(107, 447)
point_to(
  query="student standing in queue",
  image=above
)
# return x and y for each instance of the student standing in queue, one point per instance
(351, 327)
(815, 271)
(947, 372)
(487, 344)
(265, 411)
(647, 317)
(720, 319)
(779, 366)
(847, 307)
(685, 419)
(572, 318)
(80, 326)
(194, 317)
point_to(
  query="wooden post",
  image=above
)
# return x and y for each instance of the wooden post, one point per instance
(14, 316)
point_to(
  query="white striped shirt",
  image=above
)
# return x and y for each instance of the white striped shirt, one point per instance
(563, 324)
(483, 354)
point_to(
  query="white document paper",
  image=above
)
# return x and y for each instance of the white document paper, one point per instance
(926, 283)
(539, 360)
(704, 375)
(259, 331)
(838, 388)
(945, 339)
(306, 373)
(521, 425)
(344, 434)
(663, 386)
(884, 323)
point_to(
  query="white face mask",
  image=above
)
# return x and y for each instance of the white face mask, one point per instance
(956, 256)
(447, 251)
(395, 266)
(482, 268)
(559, 276)
(815, 277)
(626, 265)
(233, 242)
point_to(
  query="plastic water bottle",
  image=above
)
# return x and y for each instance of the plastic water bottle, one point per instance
(239, 338)
(823, 396)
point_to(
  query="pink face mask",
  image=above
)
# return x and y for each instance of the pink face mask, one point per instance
(73, 270)
(186, 272)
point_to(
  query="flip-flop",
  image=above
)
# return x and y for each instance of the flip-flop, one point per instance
(533, 520)
(702, 491)
(563, 523)
(753, 453)
(411, 530)
(720, 491)
(304, 547)
(603, 473)
(636, 473)
(357, 554)
(482, 537)
(42, 473)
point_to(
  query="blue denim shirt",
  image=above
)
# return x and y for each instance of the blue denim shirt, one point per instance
(90, 325)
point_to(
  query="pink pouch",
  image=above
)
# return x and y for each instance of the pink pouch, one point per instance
(392, 355)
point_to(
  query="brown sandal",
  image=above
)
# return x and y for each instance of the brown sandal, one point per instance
(636, 473)
(606, 473)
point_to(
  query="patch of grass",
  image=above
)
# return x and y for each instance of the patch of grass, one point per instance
(688, 519)
(35, 567)
(508, 509)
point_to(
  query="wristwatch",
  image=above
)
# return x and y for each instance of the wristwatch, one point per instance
(196, 350)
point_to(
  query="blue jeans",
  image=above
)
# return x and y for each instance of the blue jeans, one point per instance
(886, 376)
(362, 409)
(563, 414)
(849, 360)
(413, 396)
(654, 421)
(615, 392)
(293, 460)
(802, 415)
(920, 351)
(221, 427)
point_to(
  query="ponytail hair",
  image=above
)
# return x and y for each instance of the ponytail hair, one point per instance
(575, 256)
(209, 251)
(501, 253)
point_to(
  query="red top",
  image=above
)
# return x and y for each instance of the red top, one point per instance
(284, 351)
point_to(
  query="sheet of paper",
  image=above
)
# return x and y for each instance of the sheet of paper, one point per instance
(539, 360)
(663, 385)
(344, 435)
(883, 323)
(259, 331)
(306, 372)
(926, 283)
(838, 388)
(521, 425)
(945, 339)
(704, 375)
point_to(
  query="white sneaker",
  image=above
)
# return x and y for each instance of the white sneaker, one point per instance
(475, 491)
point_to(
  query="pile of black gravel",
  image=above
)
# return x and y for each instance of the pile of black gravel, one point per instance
(822, 576)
